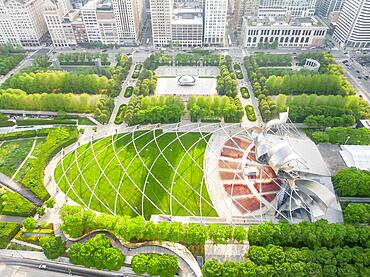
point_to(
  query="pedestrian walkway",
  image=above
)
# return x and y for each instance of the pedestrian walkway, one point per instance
(12, 218)
(25, 160)
(17, 187)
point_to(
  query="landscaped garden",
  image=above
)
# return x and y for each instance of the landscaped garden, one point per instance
(136, 72)
(12, 203)
(128, 91)
(251, 114)
(12, 154)
(140, 173)
(7, 231)
(82, 58)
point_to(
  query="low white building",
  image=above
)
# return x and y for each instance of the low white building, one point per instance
(283, 32)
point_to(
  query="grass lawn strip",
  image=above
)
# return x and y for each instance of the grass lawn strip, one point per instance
(129, 172)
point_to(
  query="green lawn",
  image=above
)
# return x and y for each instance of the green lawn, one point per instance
(187, 189)
(12, 153)
(26, 166)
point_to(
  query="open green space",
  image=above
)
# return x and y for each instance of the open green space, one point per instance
(12, 154)
(136, 174)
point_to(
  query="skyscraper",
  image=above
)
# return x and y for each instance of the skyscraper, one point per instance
(215, 15)
(22, 22)
(128, 14)
(353, 28)
(161, 14)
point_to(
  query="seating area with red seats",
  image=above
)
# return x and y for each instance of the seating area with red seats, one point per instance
(238, 185)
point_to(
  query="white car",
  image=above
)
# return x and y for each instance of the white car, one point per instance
(42, 266)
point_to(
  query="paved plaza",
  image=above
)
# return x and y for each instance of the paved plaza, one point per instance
(205, 83)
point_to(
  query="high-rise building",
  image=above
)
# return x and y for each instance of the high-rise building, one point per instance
(128, 15)
(325, 7)
(57, 17)
(188, 23)
(161, 16)
(353, 27)
(215, 15)
(22, 22)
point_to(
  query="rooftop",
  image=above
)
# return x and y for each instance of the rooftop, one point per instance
(284, 21)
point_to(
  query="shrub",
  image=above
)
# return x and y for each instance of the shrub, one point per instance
(14, 204)
(7, 231)
(96, 252)
(352, 182)
(244, 92)
(357, 213)
(250, 113)
(155, 264)
(29, 223)
(52, 246)
(8, 62)
(341, 135)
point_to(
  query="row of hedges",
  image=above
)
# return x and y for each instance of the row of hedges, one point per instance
(25, 134)
(251, 114)
(306, 234)
(77, 221)
(58, 82)
(19, 100)
(155, 264)
(5, 123)
(57, 139)
(360, 136)
(352, 182)
(28, 122)
(8, 62)
(205, 108)
(82, 58)
(119, 74)
(277, 261)
(7, 231)
(163, 109)
(14, 204)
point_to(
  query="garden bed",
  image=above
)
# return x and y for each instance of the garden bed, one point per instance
(129, 91)
(121, 114)
(250, 113)
(244, 92)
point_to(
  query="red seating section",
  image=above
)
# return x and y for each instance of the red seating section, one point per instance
(232, 176)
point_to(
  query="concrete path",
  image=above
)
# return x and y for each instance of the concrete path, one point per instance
(17, 187)
(354, 199)
(25, 160)
(12, 218)
(187, 263)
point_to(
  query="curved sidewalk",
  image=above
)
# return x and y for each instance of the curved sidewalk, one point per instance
(187, 263)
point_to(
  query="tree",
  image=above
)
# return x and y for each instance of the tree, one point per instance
(29, 223)
(212, 268)
(240, 234)
(50, 202)
(139, 263)
(52, 246)
(40, 211)
(41, 61)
